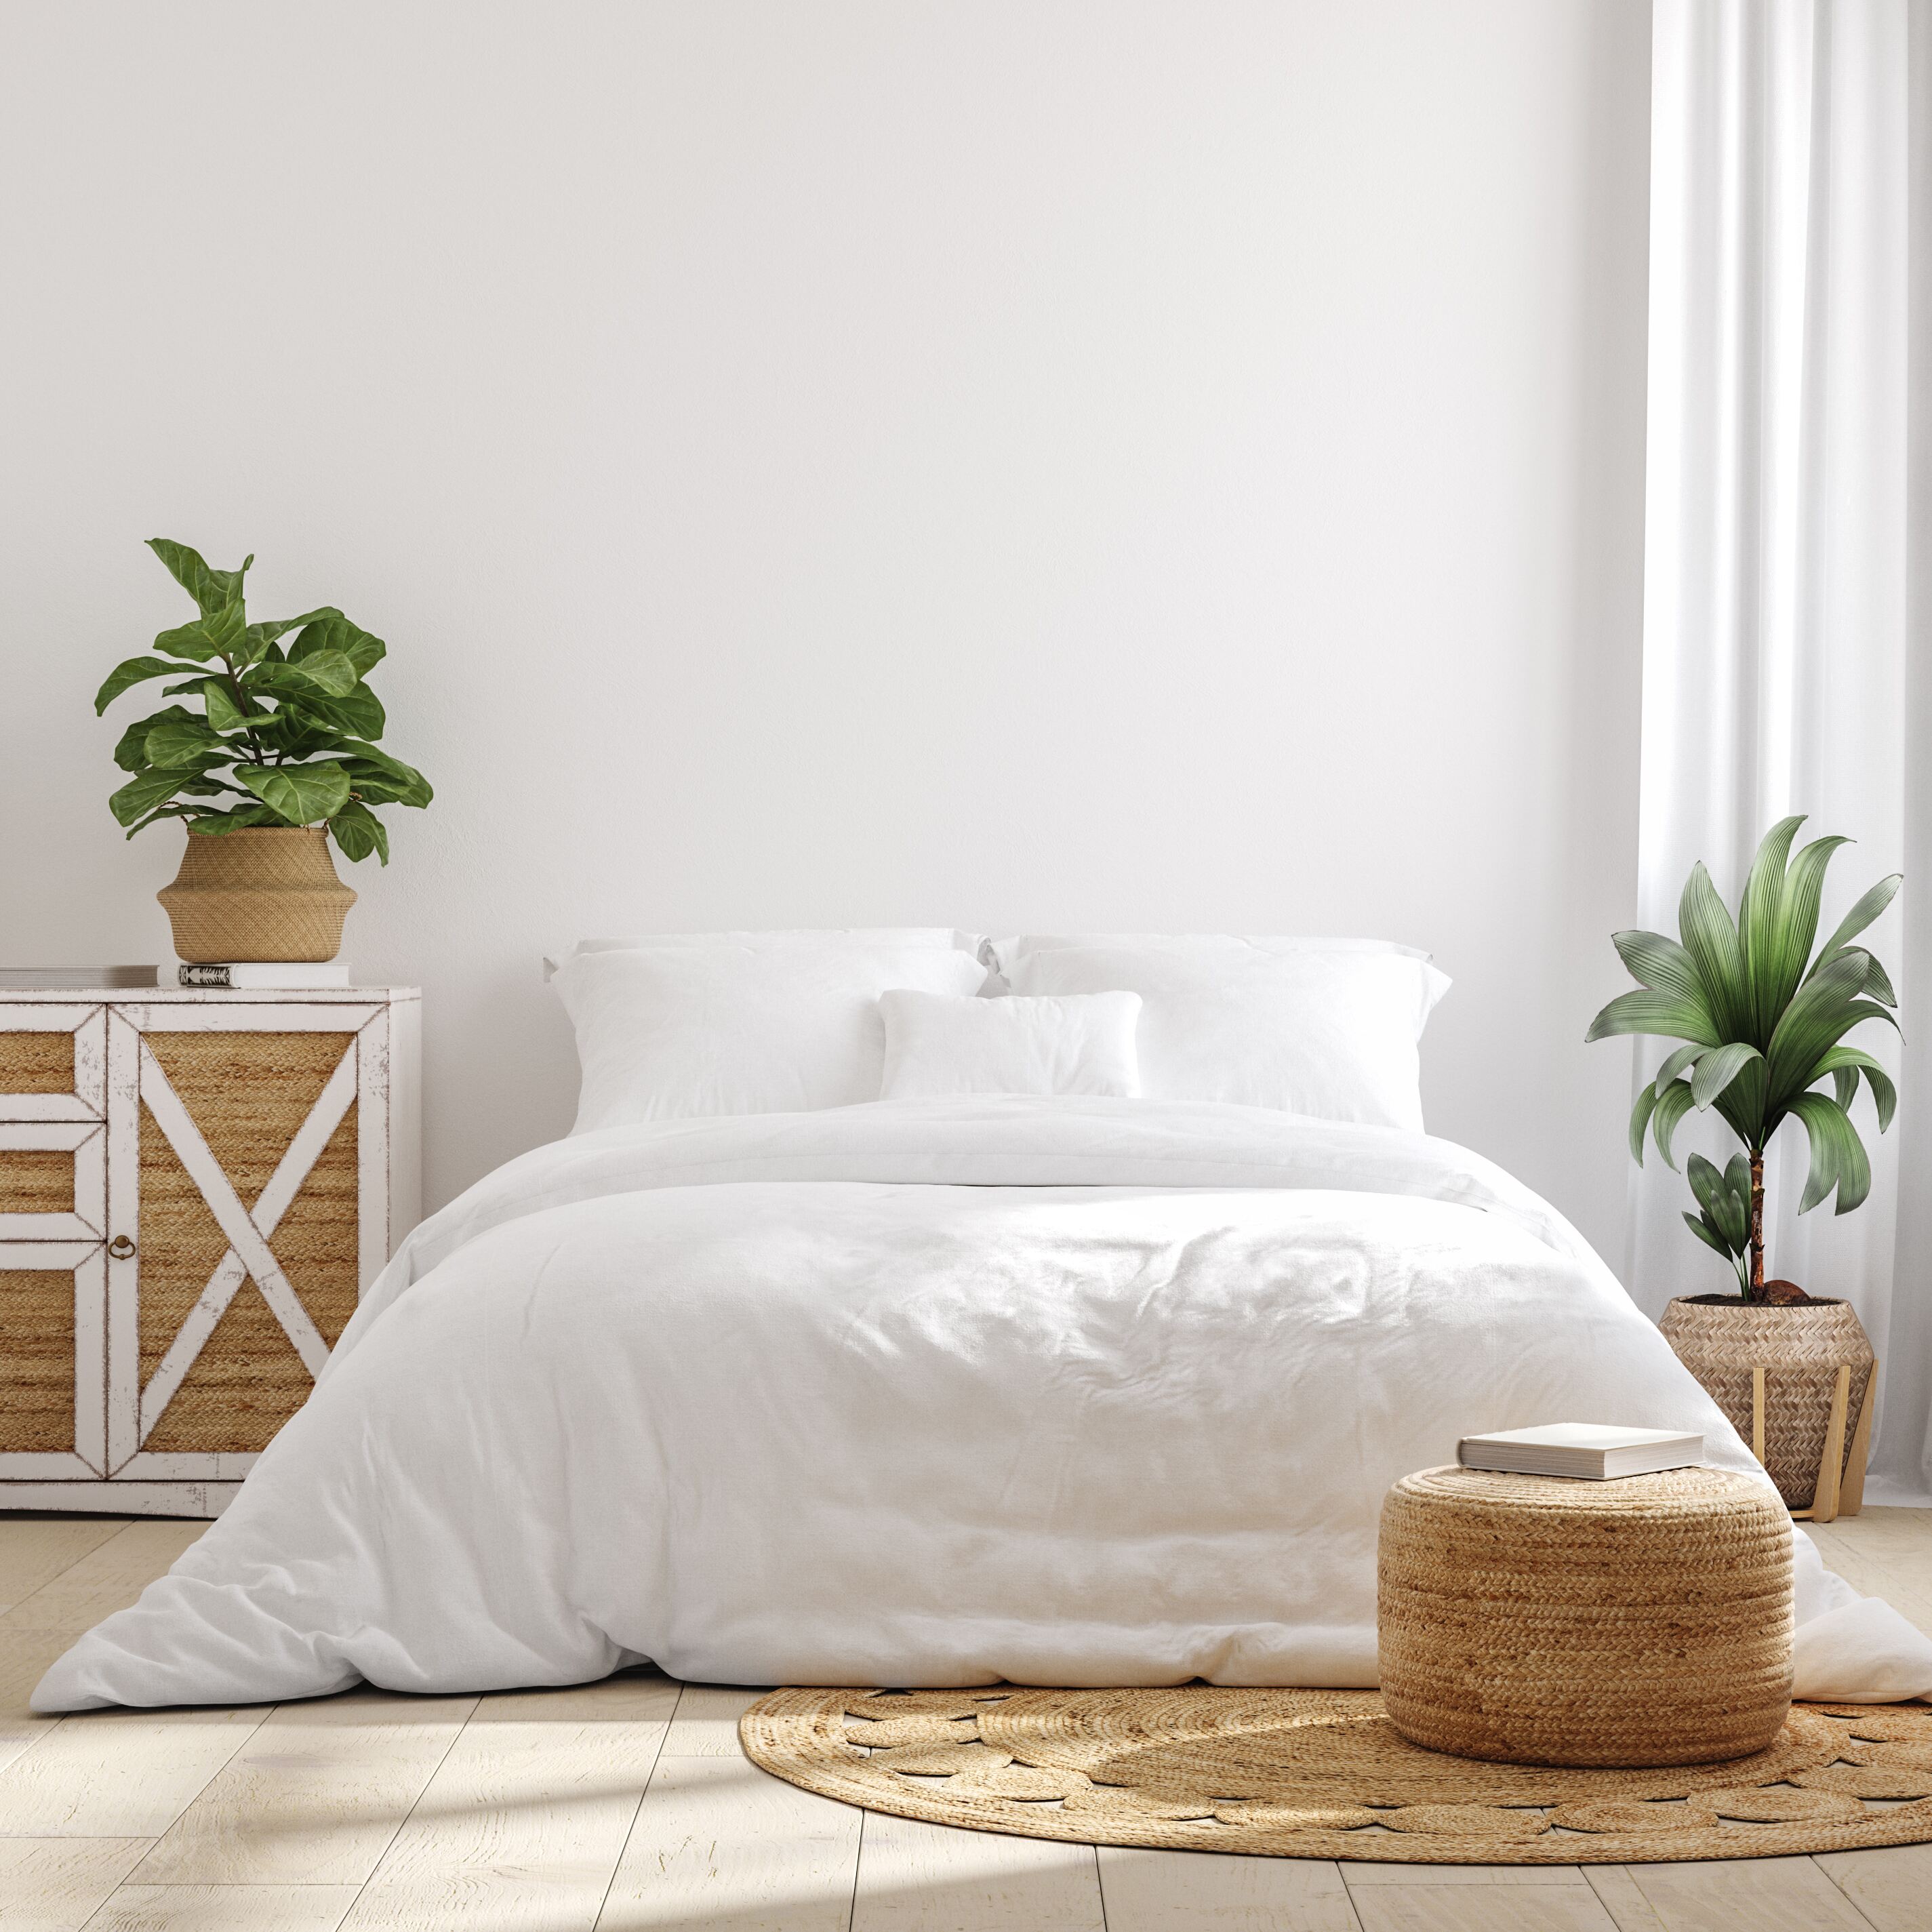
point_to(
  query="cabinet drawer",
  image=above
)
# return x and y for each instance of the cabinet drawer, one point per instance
(52, 1382)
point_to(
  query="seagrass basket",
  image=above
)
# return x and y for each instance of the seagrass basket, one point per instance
(267, 892)
(1795, 1378)
(1539, 1620)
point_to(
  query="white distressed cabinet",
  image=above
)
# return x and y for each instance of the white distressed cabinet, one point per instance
(195, 1188)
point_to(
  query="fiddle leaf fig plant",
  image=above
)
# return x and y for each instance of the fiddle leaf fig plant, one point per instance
(269, 733)
(1763, 1019)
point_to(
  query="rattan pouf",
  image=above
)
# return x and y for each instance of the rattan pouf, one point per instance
(1536, 1620)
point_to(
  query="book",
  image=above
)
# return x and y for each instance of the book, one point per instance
(245, 974)
(35, 979)
(1593, 1452)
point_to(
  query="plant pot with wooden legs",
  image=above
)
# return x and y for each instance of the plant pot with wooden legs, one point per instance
(1763, 1022)
(272, 755)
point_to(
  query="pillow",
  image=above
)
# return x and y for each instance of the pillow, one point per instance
(936, 1045)
(1001, 954)
(1327, 1027)
(668, 1032)
(847, 937)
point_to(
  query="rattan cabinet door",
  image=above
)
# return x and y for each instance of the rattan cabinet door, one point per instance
(245, 1203)
(52, 1218)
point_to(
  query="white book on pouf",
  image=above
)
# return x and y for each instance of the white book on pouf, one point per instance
(1592, 1450)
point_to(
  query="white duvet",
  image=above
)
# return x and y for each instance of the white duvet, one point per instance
(1069, 1391)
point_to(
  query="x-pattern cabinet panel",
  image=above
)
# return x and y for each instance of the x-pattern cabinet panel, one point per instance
(195, 1189)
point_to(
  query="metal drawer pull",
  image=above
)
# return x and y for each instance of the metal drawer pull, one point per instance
(121, 1247)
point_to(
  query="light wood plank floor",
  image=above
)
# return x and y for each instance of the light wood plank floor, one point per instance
(626, 1807)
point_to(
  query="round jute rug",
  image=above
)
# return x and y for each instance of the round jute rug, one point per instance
(1324, 1775)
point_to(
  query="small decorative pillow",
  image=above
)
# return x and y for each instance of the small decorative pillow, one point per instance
(1080, 1043)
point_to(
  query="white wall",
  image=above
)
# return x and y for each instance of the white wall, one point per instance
(1141, 463)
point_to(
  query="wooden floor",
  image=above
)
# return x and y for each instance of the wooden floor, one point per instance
(627, 1804)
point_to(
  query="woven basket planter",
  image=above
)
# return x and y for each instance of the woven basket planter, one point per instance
(266, 893)
(1534, 1620)
(1795, 1378)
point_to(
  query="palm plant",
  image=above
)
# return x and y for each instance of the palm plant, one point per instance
(1762, 1020)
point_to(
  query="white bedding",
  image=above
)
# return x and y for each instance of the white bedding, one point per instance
(1058, 1390)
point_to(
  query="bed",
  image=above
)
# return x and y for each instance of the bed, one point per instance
(1065, 1388)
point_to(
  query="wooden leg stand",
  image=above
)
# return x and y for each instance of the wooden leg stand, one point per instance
(1841, 1490)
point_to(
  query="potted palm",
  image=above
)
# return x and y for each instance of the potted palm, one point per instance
(1762, 1020)
(271, 756)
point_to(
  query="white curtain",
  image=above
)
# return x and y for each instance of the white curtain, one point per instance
(1785, 603)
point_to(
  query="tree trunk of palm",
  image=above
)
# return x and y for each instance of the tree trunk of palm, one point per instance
(1756, 1292)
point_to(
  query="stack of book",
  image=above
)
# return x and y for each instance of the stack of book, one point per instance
(245, 973)
(1591, 1451)
(59, 978)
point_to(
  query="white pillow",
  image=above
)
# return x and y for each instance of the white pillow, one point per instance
(849, 937)
(1003, 953)
(936, 1045)
(1323, 1027)
(665, 1033)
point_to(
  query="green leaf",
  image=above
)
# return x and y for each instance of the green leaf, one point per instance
(1733, 1217)
(191, 743)
(1705, 1179)
(1711, 941)
(359, 832)
(219, 634)
(300, 794)
(129, 671)
(1844, 1063)
(329, 672)
(1760, 910)
(356, 713)
(1660, 1013)
(1724, 1197)
(1639, 1120)
(212, 589)
(329, 630)
(177, 811)
(1705, 1234)
(1659, 963)
(1797, 919)
(131, 753)
(1878, 982)
(258, 637)
(409, 785)
(1680, 1061)
(1837, 1155)
(1861, 915)
(141, 793)
(292, 735)
(1822, 1011)
(216, 824)
(1672, 1105)
(1718, 1068)
(360, 714)
(223, 715)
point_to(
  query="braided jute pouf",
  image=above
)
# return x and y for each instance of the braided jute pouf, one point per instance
(1545, 1621)
(1324, 1775)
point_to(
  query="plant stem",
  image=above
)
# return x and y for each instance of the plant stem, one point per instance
(1755, 1290)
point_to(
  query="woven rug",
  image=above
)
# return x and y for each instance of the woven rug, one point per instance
(1324, 1775)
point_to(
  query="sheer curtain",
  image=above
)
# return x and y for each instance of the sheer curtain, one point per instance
(1785, 619)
